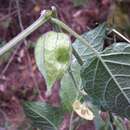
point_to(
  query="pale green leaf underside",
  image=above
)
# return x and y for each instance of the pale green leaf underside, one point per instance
(39, 55)
(43, 116)
(53, 54)
(107, 80)
(68, 92)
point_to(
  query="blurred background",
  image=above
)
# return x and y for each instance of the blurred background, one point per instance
(19, 77)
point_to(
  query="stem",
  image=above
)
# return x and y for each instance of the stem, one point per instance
(41, 20)
(71, 120)
(26, 49)
(77, 56)
(73, 79)
(122, 36)
(57, 28)
(84, 41)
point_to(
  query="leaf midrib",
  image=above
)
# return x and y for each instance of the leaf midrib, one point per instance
(110, 73)
(117, 62)
(114, 53)
(43, 117)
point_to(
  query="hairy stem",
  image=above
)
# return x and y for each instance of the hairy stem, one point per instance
(71, 120)
(40, 21)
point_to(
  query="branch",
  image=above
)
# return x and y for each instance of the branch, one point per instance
(122, 36)
(40, 21)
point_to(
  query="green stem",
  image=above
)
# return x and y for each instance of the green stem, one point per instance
(40, 21)
(68, 29)
(57, 28)
(77, 56)
(71, 120)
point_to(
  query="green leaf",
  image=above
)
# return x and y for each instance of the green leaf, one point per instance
(68, 92)
(107, 79)
(43, 116)
(53, 54)
(95, 37)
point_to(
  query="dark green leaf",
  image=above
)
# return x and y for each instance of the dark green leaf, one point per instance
(95, 37)
(107, 79)
(43, 116)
